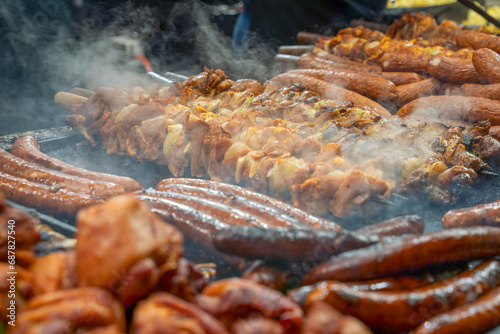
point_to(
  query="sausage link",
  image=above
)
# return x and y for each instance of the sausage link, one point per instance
(372, 86)
(400, 62)
(398, 311)
(308, 60)
(400, 78)
(397, 226)
(472, 39)
(487, 63)
(330, 91)
(18, 167)
(42, 198)
(491, 91)
(28, 148)
(477, 317)
(266, 213)
(409, 254)
(288, 245)
(480, 215)
(452, 69)
(232, 190)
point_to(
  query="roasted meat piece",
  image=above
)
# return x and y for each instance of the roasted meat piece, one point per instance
(234, 298)
(125, 248)
(18, 233)
(13, 287)
(53, 272)
(167, 314)
(72, 311)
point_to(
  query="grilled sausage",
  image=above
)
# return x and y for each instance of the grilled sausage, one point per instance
(409, 254)
(401, 62)
(472, 109)
(487, 63)
(18, 167)
(288, 245)
(476, 317)
(476, 40)
(399, 311)
(307, 60)
(453, 69)
(266, 213)
(491, 91)
(28, 148)
(412, 91)
(495, 132)
(480, 215)
(397, 226)
(42, 197)
(232, 190)
(330, 91)
(371, 86)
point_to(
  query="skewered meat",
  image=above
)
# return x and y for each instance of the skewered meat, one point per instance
(71, 311)
(185, 281)
(164, 313)
(153, 248)
(286, 141)
(61, 276)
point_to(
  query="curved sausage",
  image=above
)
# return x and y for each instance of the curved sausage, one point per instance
(330, 91)
(477, 317)
(371, 86)
(411, 224)
(467, 38)
(18, 167)
(487, 63)
(232, 190)
(409, 254)
(42, 198)
(400, 311)
(472, 109)
(28, 148)
(480, 215)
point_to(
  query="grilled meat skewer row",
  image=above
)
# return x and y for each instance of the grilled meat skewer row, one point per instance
(19, 167)
(28, 149)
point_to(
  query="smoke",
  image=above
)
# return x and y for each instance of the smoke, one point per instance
(55, 45)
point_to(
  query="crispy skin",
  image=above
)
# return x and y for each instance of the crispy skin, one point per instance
(400, 78)
(471, 109)
(454, 69)
(164, 313)
(330, 91)
(487, 63)
(370, 86)
(409, 254)
(28, 149)
(153, 247)
(400, 311)
(405, 62)
(479, 316)
(341, 60)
